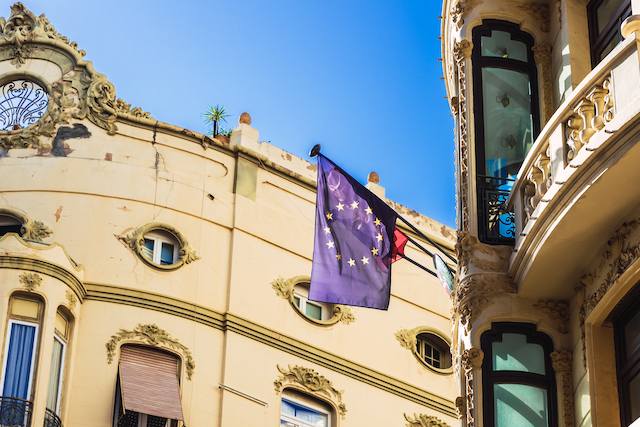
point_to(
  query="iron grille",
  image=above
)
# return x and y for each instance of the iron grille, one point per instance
(51, 419)
(14, 412)
(22, 103)
(495, 225)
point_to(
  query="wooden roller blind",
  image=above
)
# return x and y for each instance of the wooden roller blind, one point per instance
(149, 382)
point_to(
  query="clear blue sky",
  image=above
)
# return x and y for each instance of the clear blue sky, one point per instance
(360, 77)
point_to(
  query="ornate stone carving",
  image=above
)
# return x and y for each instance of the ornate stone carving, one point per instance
(123, 107)
(151, 335)
(540, 13)
(558, 312)
(461, 51)
(71, 299)
(284, 289)
(423, 420)
(312, 382)
(562, 366)
(615, 260)
(542, 56)
(471, 309)
(407, 338)
(461, 9)
(471, 360)
(590, 115)
(483, 284)
(31, 229)
(135, 242)
(461, 407)
(31, 281)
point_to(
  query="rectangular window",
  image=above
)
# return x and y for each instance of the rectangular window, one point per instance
(605, 18)
(295, 414)
(18, 363)
(55, 374)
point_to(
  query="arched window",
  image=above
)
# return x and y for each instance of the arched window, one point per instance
(518, 384)
(298, 409)
(506, 113)
(433, 351)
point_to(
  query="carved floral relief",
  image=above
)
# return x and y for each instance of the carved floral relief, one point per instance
(30, 281)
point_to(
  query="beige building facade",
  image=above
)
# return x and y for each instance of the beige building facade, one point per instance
(153, 276)
(546, 99)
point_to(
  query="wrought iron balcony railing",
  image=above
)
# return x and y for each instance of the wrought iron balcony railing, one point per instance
(51, 419)
(496, 224)
(15, 412)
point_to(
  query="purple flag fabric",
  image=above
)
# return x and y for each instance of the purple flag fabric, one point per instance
(353, 241)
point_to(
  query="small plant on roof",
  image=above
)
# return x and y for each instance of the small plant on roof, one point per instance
(225, 132)
(213, 115)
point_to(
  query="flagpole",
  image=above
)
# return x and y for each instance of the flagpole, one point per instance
(417, 264)
(315, 151)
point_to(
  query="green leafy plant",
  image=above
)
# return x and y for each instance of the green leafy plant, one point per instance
(225, 132)
(213, 115)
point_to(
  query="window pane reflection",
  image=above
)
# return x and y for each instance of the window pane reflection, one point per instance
(515, 354)
(508, 123)
(520, 405)
(500, 45)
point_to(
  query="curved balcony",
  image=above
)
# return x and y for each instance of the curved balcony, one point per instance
(15, 412)
(579, 181)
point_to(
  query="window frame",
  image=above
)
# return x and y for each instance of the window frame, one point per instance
(421, 343)
(34, 353)
(303, 298)
(306, 405)
(491, 377)
(158, 239)
(626, 367)
(63, 355)
(598, 42)
(480, 62)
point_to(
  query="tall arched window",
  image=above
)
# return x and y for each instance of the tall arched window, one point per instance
(505, 101)
(517, 378)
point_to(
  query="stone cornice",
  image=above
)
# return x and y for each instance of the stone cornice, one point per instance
(272, 338)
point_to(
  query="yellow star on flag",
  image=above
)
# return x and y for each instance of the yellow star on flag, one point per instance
(377, 221)
(351, 262)
(329, 216)
(374, 251)
(330, 245)
(379, 237)
(368, 210)
(340, 207)
(339, 257)
(365, 260)
(354, 205)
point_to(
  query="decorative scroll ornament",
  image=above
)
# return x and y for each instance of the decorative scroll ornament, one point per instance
(540, 12)
(590, 115)
(31, 281)
(312, 382)
(135, 242)
(470, 310)
(615, 260)
(31, 229)
(538, 182)
(123, 107)
(154, 336)
(461, 9)
(407, 338)
(461, 407)
(561, 362)
(423, 420)
(482, 284)
(558, 312)
(71, 299)
(284, 289)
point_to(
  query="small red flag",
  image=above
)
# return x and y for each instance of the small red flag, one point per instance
(399, 242)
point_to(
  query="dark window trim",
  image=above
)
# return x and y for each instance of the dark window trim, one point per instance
(599, 42)
(627, 368)
(491, 377)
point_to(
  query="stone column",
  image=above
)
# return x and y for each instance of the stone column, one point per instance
(472, 364)
(561, 362)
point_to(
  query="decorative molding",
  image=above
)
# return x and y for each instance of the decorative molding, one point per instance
(31, 229)
(540, 12)
(466, 248)
(284, 289)
(471, 309)
(71, 299)
(461, 9)
(135, 242)
(591, 114)
(151, 335)
(561, 362)
(272, 338)
(408, 339)
(471, 360)
(461, 52)
(423, 420)
(538, 181)
(615, 260)
(482, 284)
(557, 311)
(31, 281)
(312, 382)
(542, 56)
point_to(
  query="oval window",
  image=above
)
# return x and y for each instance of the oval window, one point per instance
(433, 351)
(160, 247)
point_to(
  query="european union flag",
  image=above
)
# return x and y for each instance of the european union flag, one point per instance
(352, 252)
